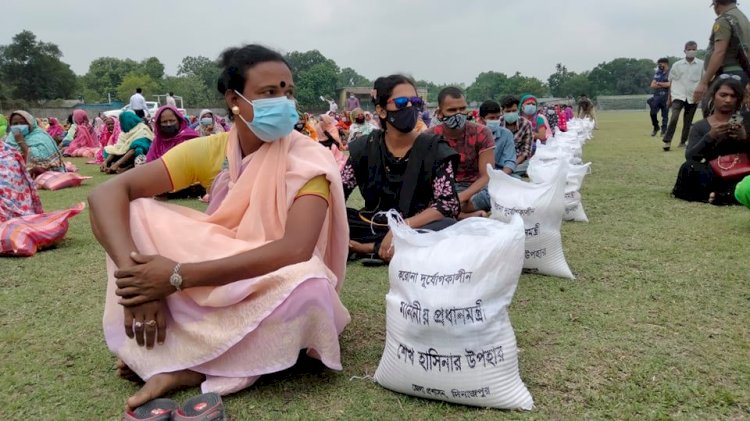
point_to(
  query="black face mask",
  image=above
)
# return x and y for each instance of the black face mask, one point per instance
(359, 120)
(403, 120)
(170, 130)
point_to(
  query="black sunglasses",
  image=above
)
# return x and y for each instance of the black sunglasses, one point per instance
(403, 102)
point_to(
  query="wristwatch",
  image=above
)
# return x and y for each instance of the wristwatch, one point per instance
(176, 279)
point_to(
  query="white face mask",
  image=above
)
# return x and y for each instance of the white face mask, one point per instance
(690, 53)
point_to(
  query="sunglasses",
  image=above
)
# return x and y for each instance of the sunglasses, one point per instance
(725, 76)
(403, 102)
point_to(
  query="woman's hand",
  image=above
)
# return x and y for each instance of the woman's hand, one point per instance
(147, 322)
(386, 247)
(147, 280)
(738, 132)
(719, 131)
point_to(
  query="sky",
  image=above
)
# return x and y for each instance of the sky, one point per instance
(444, 41)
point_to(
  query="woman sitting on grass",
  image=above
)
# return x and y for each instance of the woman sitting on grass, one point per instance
(399, 168)
(223, 297)
(717, 135)
(18, 196)
(85, 143)
(131, 147)
(43, 154)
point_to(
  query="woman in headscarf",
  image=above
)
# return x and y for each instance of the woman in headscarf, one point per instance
(360, 126)
(240, 290)
(132, 144)
(539, 124)
(207, 124)
(18, 196)
(328, 132)
(110, 134)
(55, 130)
(43, 154)
(98, 127)
(84, 144)
(170, 130)
(70, 132)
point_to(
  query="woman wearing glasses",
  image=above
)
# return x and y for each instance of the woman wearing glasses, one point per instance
(724, 132)
(398, 168)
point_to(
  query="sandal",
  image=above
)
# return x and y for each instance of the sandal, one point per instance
(372, 261)
(155, 410)
(206, 407)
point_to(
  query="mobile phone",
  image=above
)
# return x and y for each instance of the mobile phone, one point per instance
(736, 119)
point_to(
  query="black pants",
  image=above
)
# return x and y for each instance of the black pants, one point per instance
(140, 113)
(687, 121)
(365, 232)
(659, 102)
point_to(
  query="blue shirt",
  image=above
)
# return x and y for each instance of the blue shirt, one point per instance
(661, 76)
(505, 148)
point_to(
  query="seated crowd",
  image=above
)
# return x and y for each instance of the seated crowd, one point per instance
(246, 285)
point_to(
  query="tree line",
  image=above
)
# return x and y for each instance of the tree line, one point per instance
(32, 70)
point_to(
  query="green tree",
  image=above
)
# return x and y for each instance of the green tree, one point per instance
(131, 81)
(488, 85)
(520, 85)
(193, 91)
(349, 77)
(202, 68)
(315, 75)
(623, 76)
(32, 69)
(576, 85)
(105, 75)
(558, 79)
(151, 67)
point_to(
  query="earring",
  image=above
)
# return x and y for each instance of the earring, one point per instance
(236, 110)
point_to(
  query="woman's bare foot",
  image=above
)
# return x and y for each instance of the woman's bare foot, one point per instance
(360, 248)
(161, 384)
(126, 373)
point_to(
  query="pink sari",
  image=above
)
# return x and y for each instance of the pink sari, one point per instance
(85, 143)
(107, 139)
(237, 332)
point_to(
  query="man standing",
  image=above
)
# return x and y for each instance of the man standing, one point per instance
(683, 79)
(731, 31)
(660, 85)
(170, 100)
(138, 103)
(523, 133)
(352, 103)
(474, 143)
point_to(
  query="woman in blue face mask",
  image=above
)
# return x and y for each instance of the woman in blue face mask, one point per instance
(207, 124)
(539, 123)
(223, 297)
(398, 168)
(43, 154)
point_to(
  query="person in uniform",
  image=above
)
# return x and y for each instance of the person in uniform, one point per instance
(731, 31)
(660, 85)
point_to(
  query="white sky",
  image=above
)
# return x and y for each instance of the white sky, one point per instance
(439, 40)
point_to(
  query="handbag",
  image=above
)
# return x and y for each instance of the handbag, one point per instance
(731, 167)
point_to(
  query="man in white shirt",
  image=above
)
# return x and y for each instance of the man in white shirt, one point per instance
(683, 79)
(170, 100)
(138, 103)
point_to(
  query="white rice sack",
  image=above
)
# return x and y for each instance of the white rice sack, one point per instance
(448, 334)
(541, 206)
(542, 171)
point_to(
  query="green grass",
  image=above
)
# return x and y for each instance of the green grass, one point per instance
(655, 326)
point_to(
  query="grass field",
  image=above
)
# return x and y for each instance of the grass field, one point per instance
(655, 326)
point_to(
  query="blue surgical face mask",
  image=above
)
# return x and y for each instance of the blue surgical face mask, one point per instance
(511, 118)
(529, 109)
(207, 121)
(492, 124)
(23, 129)
(273, 118)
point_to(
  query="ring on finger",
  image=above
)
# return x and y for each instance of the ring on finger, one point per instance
(138, 325)
(151, 323)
